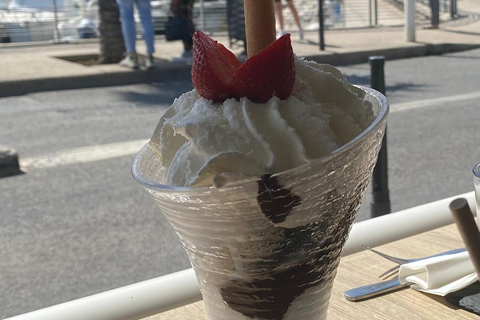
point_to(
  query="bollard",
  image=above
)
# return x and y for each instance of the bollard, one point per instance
(9, 165)
(380, 204)
(321, 25)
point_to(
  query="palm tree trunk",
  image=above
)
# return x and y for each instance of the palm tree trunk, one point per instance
(112, 47)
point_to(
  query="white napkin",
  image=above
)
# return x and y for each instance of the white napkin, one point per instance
(439, 275)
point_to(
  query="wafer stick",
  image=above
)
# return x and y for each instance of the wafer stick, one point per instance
(259, 24)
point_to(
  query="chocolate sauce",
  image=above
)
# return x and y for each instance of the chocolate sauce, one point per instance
(269, 298)
(313, 250)
(275, 201)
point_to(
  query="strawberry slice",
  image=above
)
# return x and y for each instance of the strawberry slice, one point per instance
(213, 68)
(217, 74)
(269, 72)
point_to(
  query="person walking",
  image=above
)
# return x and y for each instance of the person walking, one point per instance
(184, 9)
(130, 33)
(279, 14)
(435, 14)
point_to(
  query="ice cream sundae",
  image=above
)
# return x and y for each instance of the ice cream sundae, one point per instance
(261, 170)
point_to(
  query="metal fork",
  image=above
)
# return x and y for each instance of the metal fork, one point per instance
(399, 261)
(392, 271)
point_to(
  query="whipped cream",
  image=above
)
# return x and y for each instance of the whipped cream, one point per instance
(201, 143)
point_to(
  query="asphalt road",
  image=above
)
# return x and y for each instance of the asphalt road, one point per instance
(71, 229)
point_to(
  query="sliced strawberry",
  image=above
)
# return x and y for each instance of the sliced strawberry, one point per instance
(269, 72)
(213, 68)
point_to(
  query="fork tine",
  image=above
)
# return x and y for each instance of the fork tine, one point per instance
(391, 274)
(386, 256)
(390, 271)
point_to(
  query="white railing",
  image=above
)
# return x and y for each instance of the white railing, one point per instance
(60, 20)
(177, 289)
(70, 20)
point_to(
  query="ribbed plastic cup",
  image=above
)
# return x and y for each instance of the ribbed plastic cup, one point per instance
(476, 183)
(269, 248)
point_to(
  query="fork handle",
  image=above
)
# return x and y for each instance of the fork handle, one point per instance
(375, 289)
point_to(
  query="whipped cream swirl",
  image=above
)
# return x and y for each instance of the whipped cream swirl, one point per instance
(202, 143)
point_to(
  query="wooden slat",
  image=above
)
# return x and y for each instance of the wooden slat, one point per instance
(363, 268)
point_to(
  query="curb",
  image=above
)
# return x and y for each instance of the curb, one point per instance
(9, 165)
(168, 71)
(413, 51)
(162, 73)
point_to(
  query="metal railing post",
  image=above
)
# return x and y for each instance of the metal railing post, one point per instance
(409, 12)
(370, 13)
(202, 16)
(453, 8)
(321, 25)
(380, 204)
(57, 31)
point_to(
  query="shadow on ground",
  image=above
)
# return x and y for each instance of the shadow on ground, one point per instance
(365, 81)
(158, 94)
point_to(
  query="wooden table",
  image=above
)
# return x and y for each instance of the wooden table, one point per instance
(363, 268)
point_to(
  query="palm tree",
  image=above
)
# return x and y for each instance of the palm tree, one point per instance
(112, 47)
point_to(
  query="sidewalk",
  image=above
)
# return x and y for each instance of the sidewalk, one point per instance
(35, 68)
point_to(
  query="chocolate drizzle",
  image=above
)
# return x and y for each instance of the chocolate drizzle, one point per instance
(270, 297)
(275, 201)
(305, 257)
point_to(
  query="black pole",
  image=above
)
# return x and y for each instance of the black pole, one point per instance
(321, 26)
(380, 204)
(453, 8)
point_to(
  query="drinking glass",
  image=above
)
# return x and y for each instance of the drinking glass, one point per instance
(269, 248)
(476, 181)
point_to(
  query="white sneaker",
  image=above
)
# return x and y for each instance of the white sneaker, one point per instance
(149, 63)
(280, 33)
(300, 34)
(186, 56)
(130, 62)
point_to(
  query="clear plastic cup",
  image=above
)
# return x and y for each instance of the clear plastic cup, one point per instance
(476, 182)
(269, 248)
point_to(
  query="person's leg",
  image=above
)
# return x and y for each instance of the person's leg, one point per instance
(129, 34)
(188, 42)
(184, 9)
(128, 25)
(294, 13)
(145, 12)
(279, 14)
(296, 18)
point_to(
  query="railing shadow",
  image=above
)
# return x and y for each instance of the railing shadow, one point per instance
(162, 94)
(400, 86)
(460, 57)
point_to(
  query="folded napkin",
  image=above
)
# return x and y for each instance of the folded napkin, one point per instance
(439, 275)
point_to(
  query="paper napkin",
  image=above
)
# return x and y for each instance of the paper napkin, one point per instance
(439, 275)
